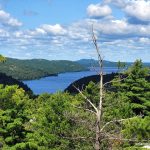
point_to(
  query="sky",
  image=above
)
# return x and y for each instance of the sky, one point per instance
(62, 29)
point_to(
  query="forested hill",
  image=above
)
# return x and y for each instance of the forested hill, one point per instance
(94, 63)
(8, 80)
(37, 68)
(83, 82)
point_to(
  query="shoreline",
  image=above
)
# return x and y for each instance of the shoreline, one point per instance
(57, 74)
(52, 75)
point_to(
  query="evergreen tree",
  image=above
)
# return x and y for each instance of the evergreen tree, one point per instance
(13, 118)
(49, 122)
(136, 88)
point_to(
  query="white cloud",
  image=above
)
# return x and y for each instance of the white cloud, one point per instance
(144, 40)
(82, 52)
(119, 3)
(56, 29)
(98, 10)
(114, 27)
(7, 19)
(3, 33)
(140, 9)
(74, 41)
(37, 31)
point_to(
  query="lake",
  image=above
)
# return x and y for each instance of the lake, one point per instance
(53, 84)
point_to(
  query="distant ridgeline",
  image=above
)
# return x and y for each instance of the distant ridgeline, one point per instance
(37, 68)
(8, 80)
(94, 63)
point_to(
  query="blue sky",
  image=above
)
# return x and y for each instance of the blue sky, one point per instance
(61, 29)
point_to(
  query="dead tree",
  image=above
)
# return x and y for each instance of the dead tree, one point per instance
(97, 110)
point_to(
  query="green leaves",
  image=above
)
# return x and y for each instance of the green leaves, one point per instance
(137, 128)
(136, 88)
(50, 124)
(36, 68)
(2, 59)
(61, 121)
(13, 116)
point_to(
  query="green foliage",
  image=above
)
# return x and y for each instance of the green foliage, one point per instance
(37, 68)
(91, 62)
(134, 93)
(134, 148)
(121, 65)
(2, 58)
(116, 107)
(8, 80)
(124, 100)
(136, 88)
(49, 122)
(13, 117)
(137, 128)
(62, 121)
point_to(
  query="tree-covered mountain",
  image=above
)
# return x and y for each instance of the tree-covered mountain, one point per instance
(37, 68)
(94, 63)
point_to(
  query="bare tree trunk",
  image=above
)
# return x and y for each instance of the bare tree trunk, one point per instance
(97, 139)
(99, 109)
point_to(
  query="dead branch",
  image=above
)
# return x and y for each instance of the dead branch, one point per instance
(78, 138)
(95, 70)
(115, 121)
(129, 140)
(86, 98)
(86, 109)
(115, 81)
(100, 60)
(99, 109)
(112, 137)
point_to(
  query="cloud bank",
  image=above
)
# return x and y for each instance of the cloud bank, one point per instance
(98, 10)
(126, 38)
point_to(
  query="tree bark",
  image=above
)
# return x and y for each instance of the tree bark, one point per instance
(97, 139)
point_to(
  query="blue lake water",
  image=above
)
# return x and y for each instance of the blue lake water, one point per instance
(53, 84)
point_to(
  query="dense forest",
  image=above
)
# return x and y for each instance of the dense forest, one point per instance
(83, 82)
(8, 80)
(37, 68)
(61, 121)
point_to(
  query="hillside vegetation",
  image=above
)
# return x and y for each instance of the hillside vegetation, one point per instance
(62, 121)
(37, 68)
(8, 80)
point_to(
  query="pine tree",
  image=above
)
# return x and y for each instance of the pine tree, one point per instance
(136, 88)
(13, 117)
